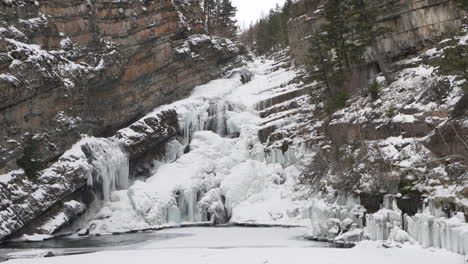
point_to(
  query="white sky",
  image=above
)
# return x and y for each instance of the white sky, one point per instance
(251, 10)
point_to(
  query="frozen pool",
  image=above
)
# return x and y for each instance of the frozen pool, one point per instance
(181, 238)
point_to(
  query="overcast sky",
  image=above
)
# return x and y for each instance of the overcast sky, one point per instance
(251, 10)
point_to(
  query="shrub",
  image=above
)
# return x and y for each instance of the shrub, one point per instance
(30, 162)
(390, 112)
(336, 102)
(374, 90)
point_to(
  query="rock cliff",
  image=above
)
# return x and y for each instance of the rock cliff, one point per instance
(90, 67)
(69, 68)
(414, 25)
(411, 142)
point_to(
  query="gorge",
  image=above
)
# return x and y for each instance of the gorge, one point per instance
(124, 117)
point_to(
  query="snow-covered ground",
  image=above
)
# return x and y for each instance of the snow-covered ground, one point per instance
(251, 245)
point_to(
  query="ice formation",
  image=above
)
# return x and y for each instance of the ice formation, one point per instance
(110, 167)
(217, 170)
(224, 174)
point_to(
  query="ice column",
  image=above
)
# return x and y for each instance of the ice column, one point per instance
(110, 166)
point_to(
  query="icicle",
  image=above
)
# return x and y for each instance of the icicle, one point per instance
(173, 215)
(110, 166)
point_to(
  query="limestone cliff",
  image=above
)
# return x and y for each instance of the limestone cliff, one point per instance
(69, 68)
(414, 24)
(90, 67)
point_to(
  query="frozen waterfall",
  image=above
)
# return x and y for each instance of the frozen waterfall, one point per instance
(110, 166)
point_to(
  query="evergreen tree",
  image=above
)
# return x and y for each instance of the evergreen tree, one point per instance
(331, 52)
(219, 18)
(339, 45)
(285, 16)
(368, 31)
(262, 39)
(227, 23)
(209, 7)
(462, 4)
(270, 33)
(320, 60)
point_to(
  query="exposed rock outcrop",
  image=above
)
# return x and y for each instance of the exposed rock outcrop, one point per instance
(56, 196)
(71, 68)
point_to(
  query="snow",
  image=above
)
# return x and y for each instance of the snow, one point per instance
(34, 237)
(6, 178)
(402, 118)
(220, 177)
(226, 174)
(273, 248)
(232, 237)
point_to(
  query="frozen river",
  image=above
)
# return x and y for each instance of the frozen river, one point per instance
(180, 238)
(227, 245)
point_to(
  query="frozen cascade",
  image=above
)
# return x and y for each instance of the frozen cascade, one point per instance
(380, 224)
(278, 156)
(184, 205)
(185, 209)
(110, 166)
(217, 118)
(202, 115)
(232, 178)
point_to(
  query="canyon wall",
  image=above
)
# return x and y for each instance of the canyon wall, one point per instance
(414, 24)
(91, 67)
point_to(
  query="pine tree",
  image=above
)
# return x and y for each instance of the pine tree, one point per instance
(209, 7)
(219, 18)
(368, 31)
(270, 33)
(339, 45)
(227, 23)
(462, 4)
(331, 52)
(262, 40)
(320, 60)
(285, 16)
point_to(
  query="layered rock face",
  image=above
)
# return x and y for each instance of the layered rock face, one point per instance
(414, 24)
(398, 162)
(409, 144)
(69, 68)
